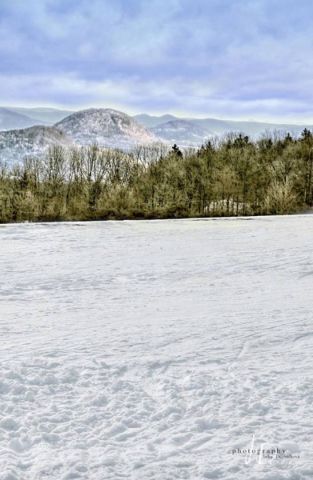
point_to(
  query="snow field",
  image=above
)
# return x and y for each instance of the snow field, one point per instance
(152, 350)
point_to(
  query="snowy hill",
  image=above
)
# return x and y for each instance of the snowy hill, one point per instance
(105, 127)
(34, 141)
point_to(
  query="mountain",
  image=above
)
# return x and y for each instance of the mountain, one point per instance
(106, 127)
(253, 129)
(114, 129)
(183, 132)
(43, 115)
(194, 131)
(10, 120)
(34, 141)
(150, 121)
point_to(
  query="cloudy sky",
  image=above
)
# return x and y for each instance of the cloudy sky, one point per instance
(249, 59)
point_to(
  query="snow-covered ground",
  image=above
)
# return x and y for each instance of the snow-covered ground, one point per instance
(153, 350)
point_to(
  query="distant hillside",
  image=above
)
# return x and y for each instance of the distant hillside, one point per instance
(43, 115)
(106, 127)
(151, 121)
(198, 130)
(183, 132)
(113, 129)
(253, 129)
(34, 141)
(10, 120)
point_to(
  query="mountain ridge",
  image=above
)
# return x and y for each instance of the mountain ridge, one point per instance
(106, 127)
(182, 132)
(46, 115)
(11, 120)
(217, 127)
(112, 128)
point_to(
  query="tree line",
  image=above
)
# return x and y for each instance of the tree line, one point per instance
(228, 177)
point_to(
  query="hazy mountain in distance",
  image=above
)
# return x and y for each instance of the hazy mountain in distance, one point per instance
(183, 132)
(10, 120)
(150, 121)
(43, 115)
(253, 129)
(34, 141)
(174, 131)
(106, 127)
